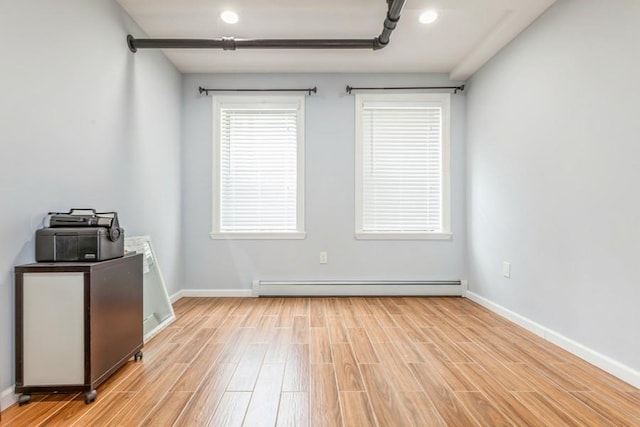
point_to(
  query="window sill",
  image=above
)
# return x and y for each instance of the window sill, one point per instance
(404, 236)
(258, 236)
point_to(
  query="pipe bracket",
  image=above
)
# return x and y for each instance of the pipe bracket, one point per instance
(228, 43)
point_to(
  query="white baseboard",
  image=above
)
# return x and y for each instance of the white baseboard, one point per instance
(175, 297)
(210, 293)
(7, 398)
(615, 368)
(358, 288)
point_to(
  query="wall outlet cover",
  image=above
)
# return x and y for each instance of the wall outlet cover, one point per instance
(506, 269)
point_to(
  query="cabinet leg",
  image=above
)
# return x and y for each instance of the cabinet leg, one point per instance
(90, 396)
(24, 399)
(138, 356)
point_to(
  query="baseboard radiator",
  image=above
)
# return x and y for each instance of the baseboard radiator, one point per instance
(359, 288)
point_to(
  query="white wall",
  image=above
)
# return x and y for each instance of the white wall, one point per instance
(83, 123)
(233, 264)
(553, 169)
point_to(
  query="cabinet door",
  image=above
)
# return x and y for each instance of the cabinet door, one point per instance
(53, 329)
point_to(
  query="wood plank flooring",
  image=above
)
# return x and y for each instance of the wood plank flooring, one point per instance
(344, 362)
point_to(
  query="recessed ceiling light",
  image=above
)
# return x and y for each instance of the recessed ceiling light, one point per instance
(428, 17)
(229, 17)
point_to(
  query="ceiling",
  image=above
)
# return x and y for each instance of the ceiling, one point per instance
(466, 34)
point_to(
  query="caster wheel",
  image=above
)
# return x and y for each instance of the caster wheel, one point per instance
(90, 396)
(138, 356)
(24, 399)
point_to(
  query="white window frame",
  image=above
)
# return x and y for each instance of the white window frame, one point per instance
(440, 99)
(264, 101)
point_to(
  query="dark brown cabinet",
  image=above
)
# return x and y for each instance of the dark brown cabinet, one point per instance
(76, 323)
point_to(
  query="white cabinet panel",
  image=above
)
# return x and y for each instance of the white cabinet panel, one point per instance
(53, 329)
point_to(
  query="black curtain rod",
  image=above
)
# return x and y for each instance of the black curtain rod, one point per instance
(207, 90)
(455, 88)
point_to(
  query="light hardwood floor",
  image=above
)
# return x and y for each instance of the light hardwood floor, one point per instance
(345, 361)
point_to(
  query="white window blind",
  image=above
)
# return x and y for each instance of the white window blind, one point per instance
(402, 173)
(258, 168)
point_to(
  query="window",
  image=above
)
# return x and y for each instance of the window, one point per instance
(402, 166)
(258, 167)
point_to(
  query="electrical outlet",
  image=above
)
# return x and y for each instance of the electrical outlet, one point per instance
(506, 269)
(323, 258)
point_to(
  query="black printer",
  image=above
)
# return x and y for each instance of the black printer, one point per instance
(80, 235)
